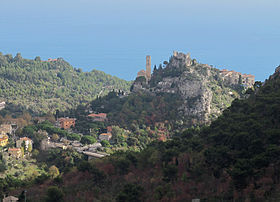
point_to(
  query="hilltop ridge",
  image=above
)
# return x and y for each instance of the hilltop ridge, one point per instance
(42, 86)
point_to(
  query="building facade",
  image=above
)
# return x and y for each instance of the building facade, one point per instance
(4, 139)
(27, 143)
(98, 117)
(66, 123)
(14, 152)
(6, 129)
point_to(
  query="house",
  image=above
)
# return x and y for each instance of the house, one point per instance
(6, 129)
(3, 140)
(2, 105)
(14, 152)
(66, 123)
(52, 60)
(28, 142)
(10, 199)
(109, 129)
(105, 136)
(98, 117)
(76, 144)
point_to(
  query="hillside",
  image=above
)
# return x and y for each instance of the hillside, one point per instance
(236, 158)
(42, 86)
(205, 91)
(182, 93)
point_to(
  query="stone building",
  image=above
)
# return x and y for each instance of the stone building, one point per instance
(2, 105)
(14, 152)
(98, 117)
(27, 142)
(234, 78)
(4, 140)
(6, 129)
(184, 57)
(105, 136)
(66, 123)
(147, 73)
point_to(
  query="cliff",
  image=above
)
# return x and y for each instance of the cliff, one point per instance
(206, 91)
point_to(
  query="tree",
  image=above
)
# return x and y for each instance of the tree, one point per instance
(54, 194)
(3, 166)
(35, 153)
(155, 68)
(86, 139)
(18, 57)
(105, 143)
(29, 149)
(22, 151)
(55, 137)
(130, 193)
(257, 84)
(240, 80)
(53, 171)
(37, 59)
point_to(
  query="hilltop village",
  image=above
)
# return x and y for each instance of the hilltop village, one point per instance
(229, 76)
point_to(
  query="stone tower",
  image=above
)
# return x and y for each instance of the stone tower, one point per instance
(148, 67)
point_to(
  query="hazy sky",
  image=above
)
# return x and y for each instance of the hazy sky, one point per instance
(115, 35)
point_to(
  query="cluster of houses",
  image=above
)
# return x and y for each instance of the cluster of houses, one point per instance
(7, 130)
(24, 142)
(91, 150)
(68, 123)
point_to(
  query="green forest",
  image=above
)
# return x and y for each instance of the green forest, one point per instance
(43, 86)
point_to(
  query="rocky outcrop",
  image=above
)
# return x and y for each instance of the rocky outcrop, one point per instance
(204, 91)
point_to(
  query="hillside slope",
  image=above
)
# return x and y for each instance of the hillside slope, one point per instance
(43, 86)
(183, 93)
(236, 158)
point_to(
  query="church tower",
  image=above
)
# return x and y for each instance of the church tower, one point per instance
(148, 67)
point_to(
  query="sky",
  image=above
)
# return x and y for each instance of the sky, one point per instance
(116, 35)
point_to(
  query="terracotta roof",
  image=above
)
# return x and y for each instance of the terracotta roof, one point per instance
(106, 134)
(3, 137)
(66, 119)
(25, 139)
(101, 115)
(249, 75)
(14, 149)
(109, 129)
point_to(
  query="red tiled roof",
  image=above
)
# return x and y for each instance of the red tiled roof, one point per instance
(109, 129)
(14, 149)
(25, 139)
(4, 137)
(66, 119)
(106, 134)
(101, 115)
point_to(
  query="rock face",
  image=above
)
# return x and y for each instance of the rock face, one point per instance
(204, 90)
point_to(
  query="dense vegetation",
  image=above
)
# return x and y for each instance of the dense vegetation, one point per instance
(139, 109)
(235, 158)
(43, 86)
